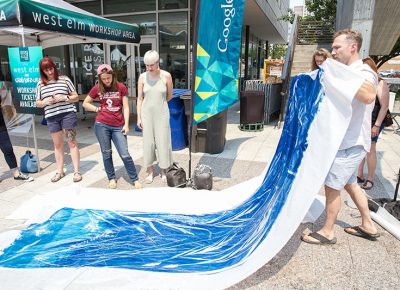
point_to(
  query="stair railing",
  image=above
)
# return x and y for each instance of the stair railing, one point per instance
(287, 67)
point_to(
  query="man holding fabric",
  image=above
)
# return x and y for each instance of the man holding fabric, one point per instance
(356, 143)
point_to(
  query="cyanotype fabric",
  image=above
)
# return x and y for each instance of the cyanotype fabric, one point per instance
(167, 238)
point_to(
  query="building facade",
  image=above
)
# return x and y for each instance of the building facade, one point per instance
(166, 26)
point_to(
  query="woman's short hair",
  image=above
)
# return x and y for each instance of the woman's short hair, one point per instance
(320, 52)
(151, 57)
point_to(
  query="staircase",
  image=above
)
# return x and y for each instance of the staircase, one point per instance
(302, 58)
(312, 35)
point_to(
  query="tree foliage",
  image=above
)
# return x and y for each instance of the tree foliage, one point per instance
(321, 10)
(289, 17)
(325, 10)
(277, 51)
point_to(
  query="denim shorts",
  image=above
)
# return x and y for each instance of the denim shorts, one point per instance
(375, 139)
(62, 121)
(344, 168)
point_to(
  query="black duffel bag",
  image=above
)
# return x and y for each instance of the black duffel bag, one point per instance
(202, 177)
(176, 176)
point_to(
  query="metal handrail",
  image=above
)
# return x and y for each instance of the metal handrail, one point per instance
(287, 67)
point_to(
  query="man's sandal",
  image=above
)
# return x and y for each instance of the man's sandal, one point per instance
(77, 177)
(57, 177)
(318, 239)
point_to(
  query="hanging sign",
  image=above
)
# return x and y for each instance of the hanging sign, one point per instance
(24, 66)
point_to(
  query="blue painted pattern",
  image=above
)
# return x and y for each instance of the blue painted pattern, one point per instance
(174, 242)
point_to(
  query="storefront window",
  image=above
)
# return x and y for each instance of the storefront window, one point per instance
(119, 59)
(88, 57)
(123, 6)
(173, 46)
(147, 22)
(172, 4)
(57, 54)
(93, 6)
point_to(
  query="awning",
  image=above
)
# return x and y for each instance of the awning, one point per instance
(53, 23)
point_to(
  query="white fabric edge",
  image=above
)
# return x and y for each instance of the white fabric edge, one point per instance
(387, 221)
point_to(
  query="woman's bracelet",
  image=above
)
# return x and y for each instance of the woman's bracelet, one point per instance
(376, 126)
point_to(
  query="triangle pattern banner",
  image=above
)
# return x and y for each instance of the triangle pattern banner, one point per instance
(217, 60)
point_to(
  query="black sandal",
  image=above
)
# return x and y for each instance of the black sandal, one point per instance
(368, 184)
(360, 180)
(319, 239)
(360, 232)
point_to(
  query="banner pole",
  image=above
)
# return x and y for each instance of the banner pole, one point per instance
(194, 56)
(33, 116)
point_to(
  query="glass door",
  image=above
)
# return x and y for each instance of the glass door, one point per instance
(146, 44)
(120, 61)
(127, 61)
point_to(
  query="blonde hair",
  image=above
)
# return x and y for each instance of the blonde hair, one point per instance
(352, 35)
(151, 57)
(320, 52)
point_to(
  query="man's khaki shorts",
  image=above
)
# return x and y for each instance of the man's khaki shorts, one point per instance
(345, 166)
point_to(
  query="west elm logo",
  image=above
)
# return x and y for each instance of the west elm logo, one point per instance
(23, 54)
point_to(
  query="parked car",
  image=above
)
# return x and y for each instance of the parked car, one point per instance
(386, 73)
(396, 74)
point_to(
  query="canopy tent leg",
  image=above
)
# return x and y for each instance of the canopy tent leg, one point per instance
(33, 116)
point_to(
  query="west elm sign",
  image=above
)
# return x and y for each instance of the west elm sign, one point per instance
(24, 65)
(46, 17)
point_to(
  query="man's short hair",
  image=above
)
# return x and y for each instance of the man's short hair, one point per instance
(352, 35)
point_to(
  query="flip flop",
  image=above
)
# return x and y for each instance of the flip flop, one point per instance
(320, 239)
(360, 180)
(359, 232)
(368, 184)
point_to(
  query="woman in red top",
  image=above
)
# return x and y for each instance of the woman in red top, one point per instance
(112, 122)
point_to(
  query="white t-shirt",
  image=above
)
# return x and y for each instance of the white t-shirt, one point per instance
(359, 130)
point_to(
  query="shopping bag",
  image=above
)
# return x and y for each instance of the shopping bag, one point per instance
(28, 163)
(176, 176)
(202, 177)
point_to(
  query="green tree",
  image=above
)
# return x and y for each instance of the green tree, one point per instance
(289, 17)
(277, 51)
(321, 10)
(381, 59)
(324, 10)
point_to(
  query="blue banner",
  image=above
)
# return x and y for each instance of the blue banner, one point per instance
(24, 65)
(217, 61)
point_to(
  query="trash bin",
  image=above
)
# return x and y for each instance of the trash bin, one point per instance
(177, 122)
(207, 136)
(210, 137)
(252, 105)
